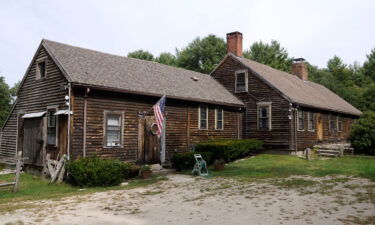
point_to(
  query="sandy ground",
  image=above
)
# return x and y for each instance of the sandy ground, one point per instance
(185, 199)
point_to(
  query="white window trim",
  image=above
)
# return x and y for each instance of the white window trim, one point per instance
(121, 113)
(311, 129)
(246, 81)
(269, 105)
(222, 119)
(56, 108)
(303, 119)
(199, 117)
(37, 75)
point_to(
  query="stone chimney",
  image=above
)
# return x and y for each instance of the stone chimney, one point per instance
(234, 43)
(299, 68)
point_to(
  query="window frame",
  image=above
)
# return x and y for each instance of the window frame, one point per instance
(216, 118)
(37, 70)
(105, 123)
(309, 119)
(199, 117)
(332, 121)
(246, 81)
(339, 124)
(303, 120)
(55, 109)
(267, 105)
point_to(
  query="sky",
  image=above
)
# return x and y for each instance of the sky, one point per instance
(315, 30)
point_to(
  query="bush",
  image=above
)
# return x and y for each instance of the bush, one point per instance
(362, 135)
(186, 160)
(229, 150)
(94, 171)
(130, 170)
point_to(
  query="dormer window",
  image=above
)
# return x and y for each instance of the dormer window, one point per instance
(241, 81)
(41, 69)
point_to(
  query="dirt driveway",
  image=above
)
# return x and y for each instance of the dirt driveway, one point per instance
(184, 199)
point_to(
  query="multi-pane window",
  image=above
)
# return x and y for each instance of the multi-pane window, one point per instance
(41, 69)
(241, 81)
(332, 122)
(113, 130)
(301, 125)
(264, 116)
(51, 127)
(339, 124)
(203, 117)
(219, 119)
(311, 121)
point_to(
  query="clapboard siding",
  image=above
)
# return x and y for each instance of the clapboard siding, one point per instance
(34, 96)
(280, 134)
(181, 129)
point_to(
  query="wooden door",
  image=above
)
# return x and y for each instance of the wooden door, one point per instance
(62, 138)
(319, 126)
(33, 141)
(149, 143)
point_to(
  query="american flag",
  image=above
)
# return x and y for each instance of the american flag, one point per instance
(159, 109)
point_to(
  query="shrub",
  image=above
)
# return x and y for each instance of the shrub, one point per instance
(362, 135)
(130, 170)
(231, 149)
(94, 171)
(186, 160)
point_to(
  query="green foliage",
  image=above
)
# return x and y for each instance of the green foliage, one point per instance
(229, 150)
(369, 65)
(5, 100)
(141, 54)
(202, 55)
(130, 170)
(186, 160)
(167, 59)
(362, 135)
(94, 171)
(270, 54)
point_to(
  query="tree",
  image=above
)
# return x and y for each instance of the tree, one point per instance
(141, 54)
(369, 65)
(362, 134)
(270, 54)
(13, 91)
(167, 59)
(202, 55)
(5, 100)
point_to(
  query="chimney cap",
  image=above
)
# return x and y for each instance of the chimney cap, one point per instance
(234, 32)
(299, 60)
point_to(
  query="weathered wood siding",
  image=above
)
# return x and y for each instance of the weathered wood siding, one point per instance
(280, 134)
(182, 124)
(34, 96)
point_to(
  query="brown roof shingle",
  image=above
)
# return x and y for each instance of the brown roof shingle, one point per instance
(89, 67)
(301, 92)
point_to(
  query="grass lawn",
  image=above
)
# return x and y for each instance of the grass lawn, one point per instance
(279, 166)
(35, 188)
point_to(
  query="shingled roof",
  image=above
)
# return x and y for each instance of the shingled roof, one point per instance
(88, 67)
(305, 93)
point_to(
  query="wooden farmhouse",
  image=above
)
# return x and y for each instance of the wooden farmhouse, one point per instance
(81, 102)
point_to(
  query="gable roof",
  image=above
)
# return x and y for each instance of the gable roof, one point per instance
(304, 93)
(88, 67)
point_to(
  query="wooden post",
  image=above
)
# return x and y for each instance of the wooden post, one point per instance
(18, 171)
(162, 150)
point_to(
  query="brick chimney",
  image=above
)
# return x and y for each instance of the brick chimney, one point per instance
(299, 68)
(234, 43)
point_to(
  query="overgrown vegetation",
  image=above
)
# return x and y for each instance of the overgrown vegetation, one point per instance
(95, 172)
(279, 166)
(362, 135)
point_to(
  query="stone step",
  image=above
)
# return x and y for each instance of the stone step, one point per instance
(328, 151)
(327, 155)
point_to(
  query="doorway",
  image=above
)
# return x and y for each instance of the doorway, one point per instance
(319, 126)
(33, 141)
(148, 141)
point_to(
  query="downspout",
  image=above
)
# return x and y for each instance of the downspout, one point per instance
(69, 117)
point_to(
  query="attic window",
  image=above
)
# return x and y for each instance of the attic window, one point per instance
(41, 69)
(241, 81)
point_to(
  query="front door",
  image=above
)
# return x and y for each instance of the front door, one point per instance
(148, 141)
(33, 141)
(319, 127)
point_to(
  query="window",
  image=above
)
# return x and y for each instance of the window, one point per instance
(241, 81)
(301, 125)
(311, 121)
(332, 123)
(51, 127)
(113, 129)
(41, 69)
(264, 116)
(219, 119)
(203, 117)
(339, 124)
